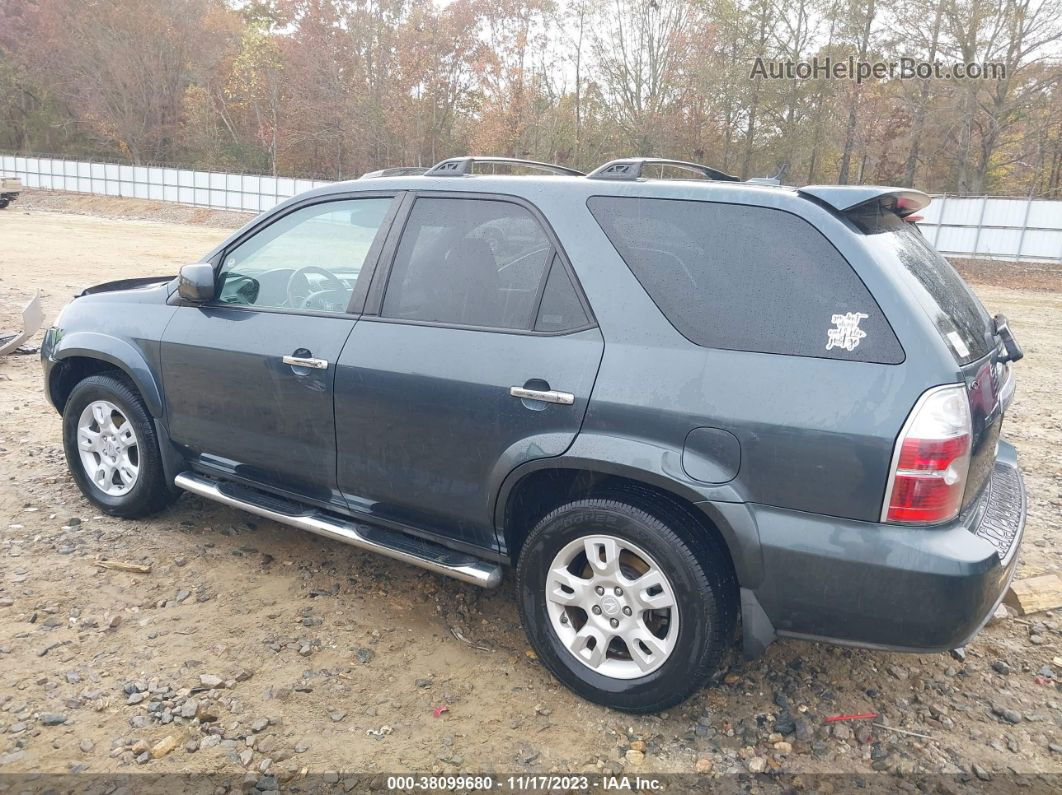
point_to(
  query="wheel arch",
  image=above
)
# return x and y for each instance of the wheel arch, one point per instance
(533, 490)
(82, 354)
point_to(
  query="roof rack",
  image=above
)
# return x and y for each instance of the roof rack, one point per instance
(462, 166)
(631, 168)
(400, 171)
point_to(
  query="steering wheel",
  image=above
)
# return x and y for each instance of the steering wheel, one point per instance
(300, 291)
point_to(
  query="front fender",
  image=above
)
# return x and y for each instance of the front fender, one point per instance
(661, 467)
(118, 352)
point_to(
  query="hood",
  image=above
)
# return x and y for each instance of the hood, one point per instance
(140, 281)
(126, 284)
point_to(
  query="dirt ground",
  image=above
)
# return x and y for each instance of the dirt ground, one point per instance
(252, 649)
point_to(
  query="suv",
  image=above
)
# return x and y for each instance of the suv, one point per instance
(664, 402)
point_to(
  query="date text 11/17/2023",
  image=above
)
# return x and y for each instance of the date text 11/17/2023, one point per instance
(525, 783)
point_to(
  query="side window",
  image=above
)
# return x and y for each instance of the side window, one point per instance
(469, 262)
(747, 278)
(308, 259)
(561, 309)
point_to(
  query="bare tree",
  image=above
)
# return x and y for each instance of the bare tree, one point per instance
(862, 13)
(639, 53)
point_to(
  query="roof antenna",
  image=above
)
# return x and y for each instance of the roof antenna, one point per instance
(775, 180)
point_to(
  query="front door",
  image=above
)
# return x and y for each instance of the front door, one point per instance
(248, 377)
(482, 356)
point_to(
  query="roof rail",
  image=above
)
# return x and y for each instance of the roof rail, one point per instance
(400, 171)
(462, 166)
(631, 168)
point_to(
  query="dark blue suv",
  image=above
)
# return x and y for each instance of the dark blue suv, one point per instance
(667, 403)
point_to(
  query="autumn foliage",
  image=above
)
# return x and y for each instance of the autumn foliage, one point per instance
(333, 88)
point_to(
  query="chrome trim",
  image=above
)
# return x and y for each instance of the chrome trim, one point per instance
(299, 361)
(546, 396)
(482, 573)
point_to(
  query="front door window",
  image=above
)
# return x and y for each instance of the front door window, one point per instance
(309, 259)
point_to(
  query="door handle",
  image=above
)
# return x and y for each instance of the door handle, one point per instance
(545, 395)
(306, 361)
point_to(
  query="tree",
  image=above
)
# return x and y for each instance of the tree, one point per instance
(861, 21)
(640, 51)
(122, 67)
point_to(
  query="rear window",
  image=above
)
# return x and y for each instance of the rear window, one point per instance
(747, 278)
(960, 317)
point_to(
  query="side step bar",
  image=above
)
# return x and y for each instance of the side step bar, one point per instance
(399, 546)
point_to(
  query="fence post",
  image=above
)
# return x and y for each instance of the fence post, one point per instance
(940, 220)
(980, 223)
(1024, 225)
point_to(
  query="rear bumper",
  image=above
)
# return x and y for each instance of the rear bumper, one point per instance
(888, 586)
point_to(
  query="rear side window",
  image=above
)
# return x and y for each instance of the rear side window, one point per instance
(747, 278)
(959, 316)
(561, 309)
(468, 262)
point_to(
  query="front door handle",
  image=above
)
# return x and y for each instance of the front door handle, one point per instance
(306, 361)
(545, 395)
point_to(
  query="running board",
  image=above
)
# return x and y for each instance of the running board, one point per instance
(399, 546)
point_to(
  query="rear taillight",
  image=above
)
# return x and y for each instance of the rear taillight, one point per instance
(931, 459)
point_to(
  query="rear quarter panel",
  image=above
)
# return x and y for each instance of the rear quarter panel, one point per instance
(815, 434)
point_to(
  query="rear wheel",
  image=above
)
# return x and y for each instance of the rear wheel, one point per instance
(628, 608)
(112, 449)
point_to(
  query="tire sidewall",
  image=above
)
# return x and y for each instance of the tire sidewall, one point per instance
(696, 606)
(116, 392)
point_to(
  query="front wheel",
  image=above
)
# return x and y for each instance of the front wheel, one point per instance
(630, 609)
(112, 449)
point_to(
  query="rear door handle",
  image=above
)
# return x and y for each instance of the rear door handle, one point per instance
(545, 395)
(305, 361)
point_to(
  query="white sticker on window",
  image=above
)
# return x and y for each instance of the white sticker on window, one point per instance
(847, 333)
(957, 344)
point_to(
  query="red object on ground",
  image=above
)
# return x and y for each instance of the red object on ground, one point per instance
(440, 710)
(861, 716)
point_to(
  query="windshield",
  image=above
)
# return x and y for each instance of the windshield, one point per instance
(956, 311)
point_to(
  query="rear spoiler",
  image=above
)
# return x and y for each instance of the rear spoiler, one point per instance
(847, 198)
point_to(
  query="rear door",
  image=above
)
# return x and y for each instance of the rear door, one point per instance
(477, 353)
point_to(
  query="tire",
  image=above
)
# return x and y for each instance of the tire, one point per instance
(148, 492)
(4, 203)
(696, 567)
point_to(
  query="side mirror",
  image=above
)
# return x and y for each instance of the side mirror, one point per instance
(196, 282)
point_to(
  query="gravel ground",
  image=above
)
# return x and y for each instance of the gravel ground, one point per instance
(250, 649)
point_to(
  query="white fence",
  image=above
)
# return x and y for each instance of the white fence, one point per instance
(218, 190)
(991, 227)
(984, 227)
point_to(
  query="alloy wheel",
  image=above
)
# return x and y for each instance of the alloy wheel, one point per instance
(612, 606)
(109, 450)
